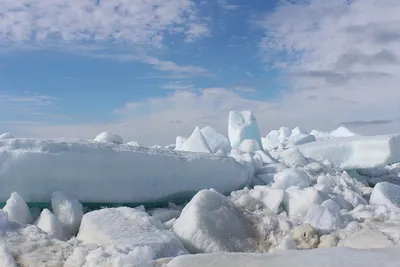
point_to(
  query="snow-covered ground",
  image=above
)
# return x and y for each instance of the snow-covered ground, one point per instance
(291, 198)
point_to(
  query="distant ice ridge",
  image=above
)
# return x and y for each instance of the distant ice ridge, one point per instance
(111, 173)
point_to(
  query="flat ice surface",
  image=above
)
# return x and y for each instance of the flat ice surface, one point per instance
(355, 152)
(332, 257)
(103, 172)
(128, 228)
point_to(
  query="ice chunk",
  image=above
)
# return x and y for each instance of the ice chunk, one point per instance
(249, 146)
(196, 143)
(297, 201)
(292, 157)
(179, 142)
(50, 224)
(305, 236)
(319, 135)
(286, 244)
(297, 131)
(6, 258)
(385, 193)
(328, 241)
(355, 152)
(215, 140)
(284, 133)
(365, 239)
(109, 137)
(243, 125)
(6, 136)
(212, 223)
(291, 177)
(128, 228)
(342, 132)
(266, 157)
(163, 214)
(68, 210)
(17, 210)
(325, 219)
(271, 198)
(122, 174)
(301, 139)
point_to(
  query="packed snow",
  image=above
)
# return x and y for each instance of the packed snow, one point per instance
(285, 198)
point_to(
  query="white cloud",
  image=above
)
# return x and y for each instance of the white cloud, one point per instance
(182, 71)
(136, 22)
(341, 56)
(26, 103)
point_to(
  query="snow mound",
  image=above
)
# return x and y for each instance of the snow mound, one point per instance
(128, 228)
(211, 223)
(355, 152)
(249, 146)
(107, 173)
(30, 246)
(68, 210)
(109, 137)
(17, 210)
(332, 257)
(196, 143)
(243, 125)
(385, 193)
(342, 132)
(215, 140)
(50, 224)
(6, 136)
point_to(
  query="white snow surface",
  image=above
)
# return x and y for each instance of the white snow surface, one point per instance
(243, 125)
(332, 257)
(110, 173)
(196, 143)
(355, 152)
(127, 228)
(109, 137)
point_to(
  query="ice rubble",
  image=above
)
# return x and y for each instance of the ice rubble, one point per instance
(109, 137)
(6, 136)
(110, 173)
(300, 199)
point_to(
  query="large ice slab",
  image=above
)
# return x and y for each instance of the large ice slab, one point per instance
(110, 173)
(243, 125)
(332, 257)
(212, 223)
(355, 152)
(385, 193)
(128, 228)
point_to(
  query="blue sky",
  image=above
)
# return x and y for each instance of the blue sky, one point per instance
(151, 70)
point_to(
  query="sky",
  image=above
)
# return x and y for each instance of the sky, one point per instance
(150, 70)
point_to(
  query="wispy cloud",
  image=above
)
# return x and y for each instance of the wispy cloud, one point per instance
(178, 71)
(25, 103)
(134, 22)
